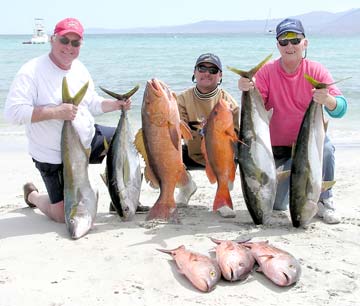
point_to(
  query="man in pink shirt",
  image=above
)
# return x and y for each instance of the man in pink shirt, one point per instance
(285, 90)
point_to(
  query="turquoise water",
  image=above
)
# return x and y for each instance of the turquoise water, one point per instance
(120, 61)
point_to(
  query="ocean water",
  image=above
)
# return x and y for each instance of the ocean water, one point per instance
(120, 61)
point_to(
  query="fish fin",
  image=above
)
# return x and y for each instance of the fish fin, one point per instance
(327, 185)
(106, 145)
(121, 96)
(234, 138)
(104, 178)
(217, 241)
(172, 251)
(66, 97)
(293, 150)
(267, 256)
(249, 74)
(140, 145)
(149, 173)
(193, 257)
(222, 198)
(253, 71)
(80, 94)
(151, 178)
(87, 152)
(185, 131)
(326, 123)
(319, 85)
(232, 135)
(282, 175)
(209, 171)
(174, 135)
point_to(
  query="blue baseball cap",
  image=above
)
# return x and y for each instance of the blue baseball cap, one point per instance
(289, 25)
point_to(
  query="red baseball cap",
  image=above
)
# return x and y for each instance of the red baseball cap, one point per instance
(69, 25)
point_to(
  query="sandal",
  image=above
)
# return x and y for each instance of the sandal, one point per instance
(29, 188)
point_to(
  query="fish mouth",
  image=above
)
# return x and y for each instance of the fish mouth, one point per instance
(127, 213)
(79, 227)
(286, 280)
(155, 86)
(205, 286)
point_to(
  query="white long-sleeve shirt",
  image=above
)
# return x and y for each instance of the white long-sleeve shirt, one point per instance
(39, 83)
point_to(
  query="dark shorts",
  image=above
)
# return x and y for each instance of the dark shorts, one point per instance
(281, 152)
(52, 174)
(188, 162)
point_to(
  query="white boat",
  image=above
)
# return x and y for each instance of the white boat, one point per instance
(39, 34)
(267, 29)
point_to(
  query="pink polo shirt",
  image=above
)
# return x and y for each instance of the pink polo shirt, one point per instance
(289, 96)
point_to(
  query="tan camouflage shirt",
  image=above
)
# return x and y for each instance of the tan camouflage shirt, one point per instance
(194, 110)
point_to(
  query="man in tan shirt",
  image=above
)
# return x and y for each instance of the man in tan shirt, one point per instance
(195, 105)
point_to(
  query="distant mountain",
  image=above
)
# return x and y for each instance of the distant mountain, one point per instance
(344, 23)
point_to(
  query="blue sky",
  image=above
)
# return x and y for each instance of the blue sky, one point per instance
(18, 15)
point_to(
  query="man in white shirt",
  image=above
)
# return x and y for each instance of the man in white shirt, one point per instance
(35, 100)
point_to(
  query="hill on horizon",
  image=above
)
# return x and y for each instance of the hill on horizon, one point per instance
(318, 22)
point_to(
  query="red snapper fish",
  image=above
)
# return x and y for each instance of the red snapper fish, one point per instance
(202, 271)
(234, 259)
(218, 149)
(159, 143)
(279, 266)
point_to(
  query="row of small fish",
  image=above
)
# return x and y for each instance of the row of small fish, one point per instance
(234, 261)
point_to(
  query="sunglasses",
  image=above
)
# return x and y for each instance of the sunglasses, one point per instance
(211, 70)
(65, 41)
(293, 41)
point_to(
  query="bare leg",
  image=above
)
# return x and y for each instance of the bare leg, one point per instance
(53, 211)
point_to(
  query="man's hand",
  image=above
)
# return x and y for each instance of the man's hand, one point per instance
(323, 97)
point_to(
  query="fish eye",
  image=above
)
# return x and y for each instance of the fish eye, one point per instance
(213, 273)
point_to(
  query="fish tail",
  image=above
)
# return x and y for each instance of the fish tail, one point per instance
(249, 74)
(222, 198)
(121, 96)
(164, 212)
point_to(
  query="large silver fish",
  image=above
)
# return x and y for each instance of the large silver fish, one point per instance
(256, 161)
(307, 163)
(80, 200)
(123, 173)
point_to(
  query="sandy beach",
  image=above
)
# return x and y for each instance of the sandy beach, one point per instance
(117, 262)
